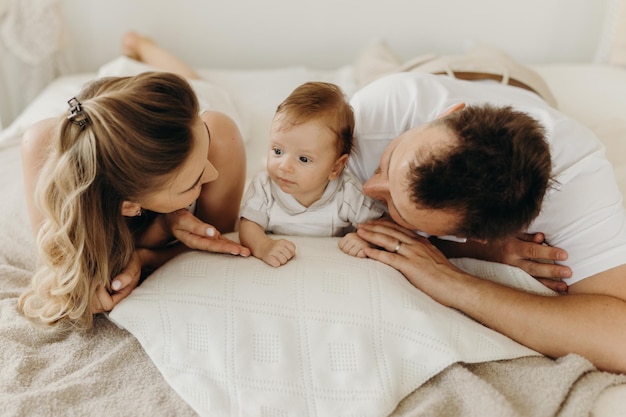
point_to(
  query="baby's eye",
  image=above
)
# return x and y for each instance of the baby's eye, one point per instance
(304, 159)
(377, 171)
(278, 151)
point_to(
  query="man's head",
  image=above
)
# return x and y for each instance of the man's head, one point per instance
(478, 172)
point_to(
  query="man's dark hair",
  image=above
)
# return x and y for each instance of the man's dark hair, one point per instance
(495, 176)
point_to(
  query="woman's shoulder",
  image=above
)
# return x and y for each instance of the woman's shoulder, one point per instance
(38, 136)
(226, 143)
(219, 122)
(223, 131)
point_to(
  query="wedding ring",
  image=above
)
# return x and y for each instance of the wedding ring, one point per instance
(397, 248)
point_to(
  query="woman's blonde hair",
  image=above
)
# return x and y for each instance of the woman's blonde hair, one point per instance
(138, 132)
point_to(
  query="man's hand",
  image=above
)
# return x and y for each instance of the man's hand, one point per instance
(530, 253)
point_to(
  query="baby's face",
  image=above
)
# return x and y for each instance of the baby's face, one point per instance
(302, 159)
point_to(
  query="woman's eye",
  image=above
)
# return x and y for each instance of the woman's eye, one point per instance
(304, 159)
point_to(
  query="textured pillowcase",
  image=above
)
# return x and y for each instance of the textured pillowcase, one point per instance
(326, 334)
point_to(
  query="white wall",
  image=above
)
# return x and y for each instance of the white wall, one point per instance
(329, 33)
(317, 33)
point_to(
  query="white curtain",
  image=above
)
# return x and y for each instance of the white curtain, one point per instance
(33, 44)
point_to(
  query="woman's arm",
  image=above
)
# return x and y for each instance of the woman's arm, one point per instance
(34, 149)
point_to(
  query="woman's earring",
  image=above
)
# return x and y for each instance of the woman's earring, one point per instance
(139, 212)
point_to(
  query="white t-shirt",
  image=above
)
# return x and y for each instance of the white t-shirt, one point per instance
(582, 213)
(342, 206)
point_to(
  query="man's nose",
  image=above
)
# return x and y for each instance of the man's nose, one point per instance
(376, 188)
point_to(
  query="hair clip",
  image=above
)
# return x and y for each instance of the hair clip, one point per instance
(76, 111)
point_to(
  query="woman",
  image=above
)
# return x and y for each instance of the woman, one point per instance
(111, 184)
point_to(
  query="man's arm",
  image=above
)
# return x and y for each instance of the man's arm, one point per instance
(527, 252)
(589, 321)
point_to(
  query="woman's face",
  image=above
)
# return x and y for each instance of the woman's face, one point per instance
(185, 185)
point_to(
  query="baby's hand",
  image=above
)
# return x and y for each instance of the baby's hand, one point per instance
(353, 245)
(278, 252)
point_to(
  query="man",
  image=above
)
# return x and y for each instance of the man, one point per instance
(413, 149)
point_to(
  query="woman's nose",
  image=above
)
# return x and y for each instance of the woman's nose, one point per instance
(210, 173)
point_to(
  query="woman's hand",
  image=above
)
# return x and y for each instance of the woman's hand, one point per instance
(195, 234)
(121, 285)
(530, 253)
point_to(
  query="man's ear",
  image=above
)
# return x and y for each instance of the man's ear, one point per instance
(340, 163)
(130, 209)
(452, 109)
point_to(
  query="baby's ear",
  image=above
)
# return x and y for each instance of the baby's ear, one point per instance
(340, 163)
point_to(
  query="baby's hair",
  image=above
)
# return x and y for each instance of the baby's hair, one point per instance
(321, 101)
(138, 132)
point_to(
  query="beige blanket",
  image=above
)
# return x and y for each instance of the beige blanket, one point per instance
(105, 371)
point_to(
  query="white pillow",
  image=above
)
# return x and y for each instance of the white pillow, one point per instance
(326, 334)
(50, 102)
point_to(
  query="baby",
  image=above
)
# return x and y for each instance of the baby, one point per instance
(305, 190)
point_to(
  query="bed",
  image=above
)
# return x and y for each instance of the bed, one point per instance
(325, 335)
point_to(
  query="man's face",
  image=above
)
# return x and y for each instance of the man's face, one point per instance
(390, 183)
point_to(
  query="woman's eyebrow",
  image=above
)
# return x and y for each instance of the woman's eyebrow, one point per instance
(195, 183)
